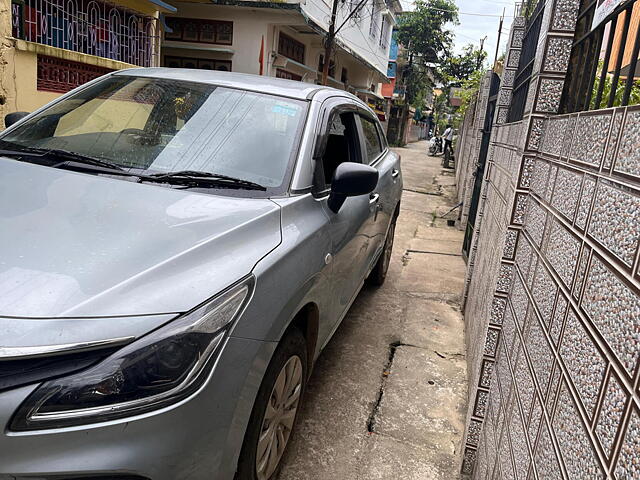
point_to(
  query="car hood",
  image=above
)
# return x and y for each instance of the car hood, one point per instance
(77, 245)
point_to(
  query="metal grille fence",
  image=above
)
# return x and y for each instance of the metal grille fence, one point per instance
(527, 57)
(88, 26)
(603, 66)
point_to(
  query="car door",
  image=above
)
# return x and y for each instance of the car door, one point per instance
(386, 193)
(350, 227)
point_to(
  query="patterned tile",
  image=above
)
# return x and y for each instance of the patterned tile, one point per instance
(469, 460)
(519, 301)
(514, 58)
(506, 467)
(582, 271)
(508, 330)
(588, 189)
(524, 383)
(545, 457)
(535, 220)
(628, 158)
(520, 208)
(566, 192)
(544, 293)
(524, 255)
(568, 135)
(508, 76)
(558, 52)
(549, 95)
(504, 375)
(510, 244)
(583, 361)
(539, 352)
(498, 307)
(615, 221)
(535, 134)
(576, 450)
(481, 403)
(558, 318)
(562, 252)
(473, 432)
(504, 97)
(590, 138)
(613, 142)
(628, 466)
(486, 372)
(565, 13)
(610, 416)
(528, 165)
(553, 137)
(615, 310)
(556, 376)
(519, 443)
(505, 277)
(534, 423)
(491, 342)
(540, 180)
(516, 38)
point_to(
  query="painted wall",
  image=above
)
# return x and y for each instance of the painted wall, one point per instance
(553, 307)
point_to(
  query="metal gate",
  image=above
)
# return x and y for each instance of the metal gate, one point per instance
(480, 163)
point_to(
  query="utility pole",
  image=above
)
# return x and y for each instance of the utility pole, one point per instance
(495, 58)
(479, 62)
(328, 42)
(330, 39)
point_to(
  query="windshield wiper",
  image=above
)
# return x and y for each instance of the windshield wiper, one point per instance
(71, 159)
(194, 178)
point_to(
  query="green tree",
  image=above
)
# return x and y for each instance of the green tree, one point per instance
(426, 41)
(455, 69)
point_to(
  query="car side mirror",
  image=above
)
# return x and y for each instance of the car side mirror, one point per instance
(350, 180)
(11, 118)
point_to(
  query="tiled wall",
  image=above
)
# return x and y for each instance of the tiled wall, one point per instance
(553, 308)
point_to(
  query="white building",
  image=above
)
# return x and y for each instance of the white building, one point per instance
(284, 39)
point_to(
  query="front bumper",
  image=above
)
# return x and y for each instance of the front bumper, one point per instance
(197, 439)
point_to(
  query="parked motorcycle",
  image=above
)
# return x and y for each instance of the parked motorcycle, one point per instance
(435, 145)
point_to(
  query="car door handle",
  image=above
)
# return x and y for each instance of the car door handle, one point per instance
(395, 172)
(373, 198)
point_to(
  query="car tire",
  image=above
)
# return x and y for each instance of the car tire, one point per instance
(265, 435)
(379, 273)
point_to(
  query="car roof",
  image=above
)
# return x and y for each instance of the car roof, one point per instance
(244, 81)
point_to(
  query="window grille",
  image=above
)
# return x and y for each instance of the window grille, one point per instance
(61, 76)
(603, 68)
(87, 26)
(374, 26)
(201, 31)
(291, 48)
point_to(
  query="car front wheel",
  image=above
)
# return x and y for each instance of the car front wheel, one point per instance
(275, 410)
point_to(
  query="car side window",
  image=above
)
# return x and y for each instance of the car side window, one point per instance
(342, 144)
(371, 138)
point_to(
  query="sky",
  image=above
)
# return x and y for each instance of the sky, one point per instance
(473, 27)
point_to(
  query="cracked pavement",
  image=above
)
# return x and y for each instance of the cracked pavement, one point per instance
(387, 398)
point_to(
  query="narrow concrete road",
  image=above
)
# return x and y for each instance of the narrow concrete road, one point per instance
(388, 395)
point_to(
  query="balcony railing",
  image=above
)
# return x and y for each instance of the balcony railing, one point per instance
(88, 26)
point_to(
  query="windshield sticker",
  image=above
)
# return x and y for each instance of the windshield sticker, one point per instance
(291, 111)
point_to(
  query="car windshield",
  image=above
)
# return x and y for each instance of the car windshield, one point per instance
(158, 126)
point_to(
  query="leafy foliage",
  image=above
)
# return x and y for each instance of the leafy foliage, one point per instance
(457, 69)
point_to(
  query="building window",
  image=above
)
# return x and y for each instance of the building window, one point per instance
(90, 27)
(202, 63)
(291, 48)
(384, 33)
(332, 67)
(280, 73)
(61, 76)
(201, 31)
(344, 75)
(353, 7)
(374, 27)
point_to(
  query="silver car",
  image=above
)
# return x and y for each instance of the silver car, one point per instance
(176, 248)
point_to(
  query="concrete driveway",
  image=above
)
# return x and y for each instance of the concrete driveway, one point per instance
(387, 398)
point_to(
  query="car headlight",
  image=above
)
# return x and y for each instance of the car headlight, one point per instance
(157, 370)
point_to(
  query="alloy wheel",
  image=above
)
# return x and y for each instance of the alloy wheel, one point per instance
(279, 418)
